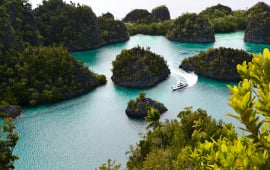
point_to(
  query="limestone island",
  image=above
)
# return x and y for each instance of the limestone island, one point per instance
(139, 68)
(139, 107)
(259, 24)
(217, 63)
(191, 28)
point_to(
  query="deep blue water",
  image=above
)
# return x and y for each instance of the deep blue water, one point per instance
(82, 133)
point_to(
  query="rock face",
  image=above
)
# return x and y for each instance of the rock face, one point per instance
(191, 28)
(259, 24)
(11, 110)
(139, 107)
(161, 13)
(139, 68)
(217, 63)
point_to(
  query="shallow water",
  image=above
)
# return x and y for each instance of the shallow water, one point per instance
(82, 133)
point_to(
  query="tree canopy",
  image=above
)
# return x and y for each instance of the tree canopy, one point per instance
(139, 68)
(8, 140)
(191, 28)
(259, 24)
(218, 63)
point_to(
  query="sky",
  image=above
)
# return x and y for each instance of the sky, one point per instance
(119, 8)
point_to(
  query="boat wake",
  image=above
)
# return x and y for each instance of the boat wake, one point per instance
(182, 76)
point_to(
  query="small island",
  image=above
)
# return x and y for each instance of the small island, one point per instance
(139, 68)
(217, 63)
(191, 28)
(139, 107)
(259, 24)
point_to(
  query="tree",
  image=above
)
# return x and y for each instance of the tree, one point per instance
(153, 119)
(110, 165)
(8, 140)
(250, 100)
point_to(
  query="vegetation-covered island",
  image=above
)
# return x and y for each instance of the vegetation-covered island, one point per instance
(259, 24)
(76, 27)
(191, 28)
(31, 73)
(224, 19)
(139, 68)
(141, 106)
(140, 21)
(217, 63)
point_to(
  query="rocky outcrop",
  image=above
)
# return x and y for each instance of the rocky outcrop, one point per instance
(218, 63)
(10, 111)
(191, 28)
(139, 68)
(161, 13)
(259, 24)
(139, 107)
(139, 16)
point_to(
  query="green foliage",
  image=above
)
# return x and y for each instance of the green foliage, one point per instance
(139, 16)
(249, 99)
(216, 11)
(159, 28)
(178, 138)
(217, 63)
(110, 165)
(21, 19)
(111, 31)
(191, 28)
(139, 67)
(161, 13)
(141, 106)
(224, 19)
(44, 74)
(66, 24)
(8, 140)
(259, 24)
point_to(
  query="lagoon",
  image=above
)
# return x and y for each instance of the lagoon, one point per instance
(82, 133)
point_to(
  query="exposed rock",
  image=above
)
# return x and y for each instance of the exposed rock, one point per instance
(11, 110)
(139, 68)
(217, 63)
(139, 107)
(259, 24)
(191, 28)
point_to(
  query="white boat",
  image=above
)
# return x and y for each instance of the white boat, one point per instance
(180, 86)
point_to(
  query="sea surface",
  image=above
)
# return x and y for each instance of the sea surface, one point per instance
(82, 133)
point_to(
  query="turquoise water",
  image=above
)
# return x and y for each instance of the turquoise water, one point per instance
(82, 133)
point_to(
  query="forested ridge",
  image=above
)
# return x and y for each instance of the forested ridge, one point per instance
(35, 65)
